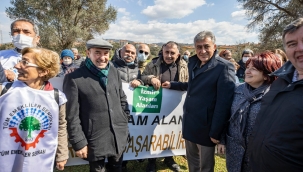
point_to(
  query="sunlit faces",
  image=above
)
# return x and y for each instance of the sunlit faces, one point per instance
(293, 44)
(99, 57)
(170, 53)
(205, 49)
(227, 55)
(27, 69)
(25, 28)
(254, 77)
(128, 53)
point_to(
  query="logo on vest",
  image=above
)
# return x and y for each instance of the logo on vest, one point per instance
(28, 124)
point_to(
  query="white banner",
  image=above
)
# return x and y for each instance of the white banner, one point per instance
(152, 134)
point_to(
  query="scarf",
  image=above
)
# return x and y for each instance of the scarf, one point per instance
(101, 73)
(250, 96)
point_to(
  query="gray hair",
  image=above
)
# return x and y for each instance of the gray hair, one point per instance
(292, 27)
(36, 29)
(202, 35)
(74, 49)
(248, 51)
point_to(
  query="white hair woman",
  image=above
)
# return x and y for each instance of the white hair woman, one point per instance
(32, 115)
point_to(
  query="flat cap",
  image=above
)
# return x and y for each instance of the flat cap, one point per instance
(98, 43)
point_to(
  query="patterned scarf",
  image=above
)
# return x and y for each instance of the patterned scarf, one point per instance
(101, 73)
(250, 96)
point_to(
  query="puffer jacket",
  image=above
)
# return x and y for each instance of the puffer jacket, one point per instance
(128, 73)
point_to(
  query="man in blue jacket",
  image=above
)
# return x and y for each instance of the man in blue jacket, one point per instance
(207, 105)
(277, 139)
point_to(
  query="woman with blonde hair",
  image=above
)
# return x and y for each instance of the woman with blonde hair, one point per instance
(32, 115)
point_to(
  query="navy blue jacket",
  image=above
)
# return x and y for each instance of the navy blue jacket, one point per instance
(276, 143)
(208, 102)
(2, 75)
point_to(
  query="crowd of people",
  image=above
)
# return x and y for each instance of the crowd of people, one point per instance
(250, 110)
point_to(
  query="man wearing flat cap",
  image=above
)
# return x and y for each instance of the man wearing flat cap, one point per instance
(97, 127)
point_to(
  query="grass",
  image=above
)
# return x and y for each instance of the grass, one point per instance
(135, 166)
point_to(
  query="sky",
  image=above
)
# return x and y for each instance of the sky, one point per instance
(154, 21)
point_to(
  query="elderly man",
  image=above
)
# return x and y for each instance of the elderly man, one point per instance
(142, 55)
(25, 34)
(276, 143)
(171, 71)
(97, 109)
(207, 104)
(125, 61)
(78, 59)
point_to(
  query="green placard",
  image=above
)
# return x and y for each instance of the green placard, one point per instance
(147, 99)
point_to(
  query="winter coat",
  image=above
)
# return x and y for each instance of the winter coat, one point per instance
(153, 70)
(241, 71)
(276, 143)
(64, 68)
(2, 75)
(208, 101)
(236, 145)
(96, 118)
(128, 73)
(78, 62)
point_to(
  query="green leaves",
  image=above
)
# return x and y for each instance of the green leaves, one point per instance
(270, 17)
(29, 124)
(63, 22)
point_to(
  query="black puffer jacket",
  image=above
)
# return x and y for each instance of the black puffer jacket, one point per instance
(128, 73)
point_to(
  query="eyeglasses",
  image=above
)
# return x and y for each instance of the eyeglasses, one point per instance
(141, 51)
(26, 63)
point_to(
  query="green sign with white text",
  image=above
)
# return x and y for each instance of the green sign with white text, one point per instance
(147, 99)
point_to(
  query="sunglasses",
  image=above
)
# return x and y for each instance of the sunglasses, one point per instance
(141, 51)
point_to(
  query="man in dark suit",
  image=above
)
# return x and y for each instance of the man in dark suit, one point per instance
(207, 105)
(97, 109)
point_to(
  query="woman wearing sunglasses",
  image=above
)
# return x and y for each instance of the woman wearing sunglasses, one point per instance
(32, 116)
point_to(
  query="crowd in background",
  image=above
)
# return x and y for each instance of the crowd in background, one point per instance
(251, 109)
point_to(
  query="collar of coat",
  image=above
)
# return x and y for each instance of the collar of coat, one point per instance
(286, 72)
(118, 60)
(213, 61)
